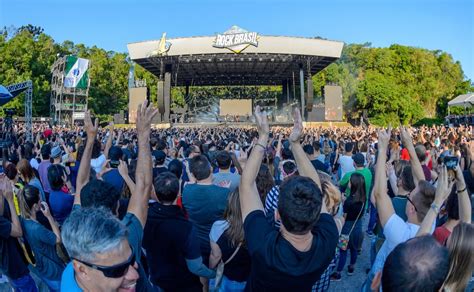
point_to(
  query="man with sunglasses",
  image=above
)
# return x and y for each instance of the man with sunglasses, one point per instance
(419, 202)
(102, 259)
(96, 193)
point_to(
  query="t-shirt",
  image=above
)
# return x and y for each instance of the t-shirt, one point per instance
(238, 269)
(114, 178)
(169, 239)
(319, 165)
(365, 172)
(43, 173)
(353, 209)
(43, 244)
(34, 163)
(97, 163)
(346, 164)
(277, 265)
(204, 204)
(396, 231)
(441, 234)
(35, 182)
(11, 260)
(234, 179)
(159, 170)
(61, 205)
(271, 204)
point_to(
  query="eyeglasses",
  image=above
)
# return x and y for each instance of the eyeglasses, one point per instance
(115, 271)
(411, 202)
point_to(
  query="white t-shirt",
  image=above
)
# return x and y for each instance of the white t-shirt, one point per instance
(97, 163)
(346, 164)
(396, 231)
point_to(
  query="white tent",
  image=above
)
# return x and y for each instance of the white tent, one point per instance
(463, 100)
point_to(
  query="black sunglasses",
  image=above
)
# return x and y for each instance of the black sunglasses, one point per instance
(115, 271)
(411, 202)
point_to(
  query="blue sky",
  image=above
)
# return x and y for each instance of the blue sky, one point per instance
(447, 25)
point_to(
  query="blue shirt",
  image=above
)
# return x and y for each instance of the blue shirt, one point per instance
(114, 178)
(68, 281)
(61, 205)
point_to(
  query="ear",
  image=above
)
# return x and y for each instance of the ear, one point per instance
(376, 282)
(80, 270)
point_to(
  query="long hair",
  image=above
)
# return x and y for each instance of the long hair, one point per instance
(25, 169)
(233, 215)
(461, 257)
(264, 181)
(358, 191)
(27, 198)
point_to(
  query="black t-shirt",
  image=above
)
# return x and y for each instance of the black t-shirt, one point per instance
(352, 209)
(318, 165)
(159, 170)
(277, 265)
(11, 260)
(169, 239)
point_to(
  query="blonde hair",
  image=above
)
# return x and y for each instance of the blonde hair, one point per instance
(461, 257)
(233, 215)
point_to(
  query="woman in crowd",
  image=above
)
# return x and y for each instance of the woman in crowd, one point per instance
(60, 201)
(228, 246)
(28, 177)
(42, 241)
(461, 258)
(353, 213)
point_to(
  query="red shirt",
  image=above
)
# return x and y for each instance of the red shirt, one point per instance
(404, 155)
(441, 234)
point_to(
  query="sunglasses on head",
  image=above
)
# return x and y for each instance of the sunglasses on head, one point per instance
(115, 271)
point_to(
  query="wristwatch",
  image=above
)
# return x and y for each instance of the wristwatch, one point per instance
(435, 208)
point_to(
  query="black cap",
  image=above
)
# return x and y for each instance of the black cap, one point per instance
(160, 156)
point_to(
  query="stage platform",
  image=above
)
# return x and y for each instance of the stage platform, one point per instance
(237, 125)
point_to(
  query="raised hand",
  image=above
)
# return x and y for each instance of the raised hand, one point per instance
(262, 121)
(123, 169)
(384, 138)
(145, 114)
(297, 131)
(444, 187)
(406, 136)
(91, 129)
(45, 210)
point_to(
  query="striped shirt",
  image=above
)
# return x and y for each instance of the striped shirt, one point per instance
(271, 203)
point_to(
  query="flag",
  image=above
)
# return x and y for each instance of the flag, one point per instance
(76, 72)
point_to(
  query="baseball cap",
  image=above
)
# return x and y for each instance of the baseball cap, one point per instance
(56, 152)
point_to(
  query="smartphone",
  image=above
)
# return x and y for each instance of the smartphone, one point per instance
(114, 163)
(451, 161)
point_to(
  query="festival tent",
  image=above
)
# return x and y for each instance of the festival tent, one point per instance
(463, 100)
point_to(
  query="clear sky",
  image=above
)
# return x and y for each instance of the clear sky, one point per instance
(447, 25)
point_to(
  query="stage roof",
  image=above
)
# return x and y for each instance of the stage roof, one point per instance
(196, 61)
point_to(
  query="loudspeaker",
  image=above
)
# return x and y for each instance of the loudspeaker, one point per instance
(160, 97)
(166, 97)
(309, 95)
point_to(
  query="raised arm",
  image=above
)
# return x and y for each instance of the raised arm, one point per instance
(123, 171)
(249, 198)
(16, 230)
(85, 166)
(305, 167)
(108, 145)
(382, 200)
(443, 189)
(464, 202)
(143, 175)
(415, 163)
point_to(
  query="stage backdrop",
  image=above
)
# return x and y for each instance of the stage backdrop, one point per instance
(333, 101)
(235, 107)
(137, 96)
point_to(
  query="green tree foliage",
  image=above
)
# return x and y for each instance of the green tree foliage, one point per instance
(398, 84)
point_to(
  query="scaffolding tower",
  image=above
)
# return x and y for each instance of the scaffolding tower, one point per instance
(67, 105)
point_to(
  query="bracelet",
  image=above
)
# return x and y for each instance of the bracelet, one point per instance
(435, 208)
(462, 191)
(258, 144)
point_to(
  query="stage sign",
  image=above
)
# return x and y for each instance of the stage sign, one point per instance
(236, 39)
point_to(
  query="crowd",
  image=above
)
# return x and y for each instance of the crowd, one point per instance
(233, 209)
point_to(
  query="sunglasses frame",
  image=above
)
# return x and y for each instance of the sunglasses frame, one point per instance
(107, 270)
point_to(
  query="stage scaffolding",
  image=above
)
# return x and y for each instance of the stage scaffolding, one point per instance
(67, 105)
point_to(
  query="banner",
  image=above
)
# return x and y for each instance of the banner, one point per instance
(76, 72)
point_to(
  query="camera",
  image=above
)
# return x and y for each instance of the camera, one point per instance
(114, 163)
(451, 161)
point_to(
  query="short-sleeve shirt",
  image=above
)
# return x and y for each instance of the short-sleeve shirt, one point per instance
(396, 231)
(441, 234)
(277, 265)
(43, 244)
(61, 205)
(353, 209)
(11, 261)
